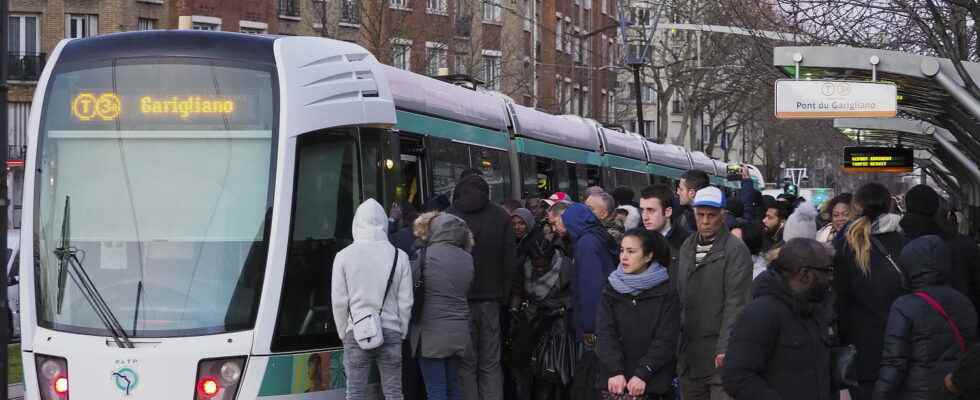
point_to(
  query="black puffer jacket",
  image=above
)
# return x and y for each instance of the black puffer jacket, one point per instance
(779, 349)
(494, 255)
(863, 300)
(637, 336)
(964, 272)
(919, 347)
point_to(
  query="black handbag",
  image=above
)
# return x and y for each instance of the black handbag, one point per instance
(843, 367)
(554, 358)
(418, 288)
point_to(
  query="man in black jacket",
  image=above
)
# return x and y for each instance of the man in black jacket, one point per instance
(922, 218)
(778, 348)
(692, 181)
(655, 207)
(494, 256)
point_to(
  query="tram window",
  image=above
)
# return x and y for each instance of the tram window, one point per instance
(545, 176)
(449, 160)
(495, 166)
(373, 142)
(325, 197)
(529, 178)
(581, 179)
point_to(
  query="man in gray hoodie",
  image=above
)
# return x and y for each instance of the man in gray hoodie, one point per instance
(359, 287)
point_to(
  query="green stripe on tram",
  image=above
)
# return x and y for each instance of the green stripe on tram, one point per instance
(556, 152)
(663, 170)
(452, 130)
(614, 161)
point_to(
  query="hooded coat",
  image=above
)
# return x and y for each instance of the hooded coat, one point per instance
(360, 275)
(779, 349)
(919, 345)
(443, 328)
(863, 301)
(964, 272)
(595, 257)
(494, 255)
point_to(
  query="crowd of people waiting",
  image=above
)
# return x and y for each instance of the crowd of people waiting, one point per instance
(685, 294)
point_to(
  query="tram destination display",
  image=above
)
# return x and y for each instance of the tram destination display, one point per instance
(878, 159)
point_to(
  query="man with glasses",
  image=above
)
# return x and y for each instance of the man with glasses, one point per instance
(778, 348)
(714, 278)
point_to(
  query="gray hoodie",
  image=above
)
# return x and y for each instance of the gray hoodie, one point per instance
(360, 275)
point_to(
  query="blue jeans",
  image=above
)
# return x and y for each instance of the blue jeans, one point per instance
(358, 363)
(441, 380)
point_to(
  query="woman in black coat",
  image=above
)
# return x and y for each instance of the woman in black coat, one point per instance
(638, 322)
(540, 310)
(921, 347)
(865, 281)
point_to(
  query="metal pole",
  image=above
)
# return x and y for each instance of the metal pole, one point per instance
(639, 100)
(5, 322)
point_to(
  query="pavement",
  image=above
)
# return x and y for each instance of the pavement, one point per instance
(15, 391)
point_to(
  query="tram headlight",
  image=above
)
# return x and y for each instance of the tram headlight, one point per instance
(218, 378)
(52, 377)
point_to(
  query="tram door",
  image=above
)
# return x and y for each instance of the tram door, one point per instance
(412, 187)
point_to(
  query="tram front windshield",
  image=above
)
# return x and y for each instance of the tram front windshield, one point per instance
(155, 175)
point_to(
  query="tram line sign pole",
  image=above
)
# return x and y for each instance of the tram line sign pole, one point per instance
(5, 322)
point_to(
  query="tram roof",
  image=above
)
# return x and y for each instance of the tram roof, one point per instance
(668, 155)
(624, 144)
(703, 162)
(426, 95)
(563, 130)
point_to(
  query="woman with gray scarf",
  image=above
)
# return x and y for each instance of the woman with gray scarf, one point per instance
(638, 323)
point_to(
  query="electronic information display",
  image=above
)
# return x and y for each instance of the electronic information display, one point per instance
(878, 159)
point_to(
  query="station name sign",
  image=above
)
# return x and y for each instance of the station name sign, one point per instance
(878, 159)
(813, 99)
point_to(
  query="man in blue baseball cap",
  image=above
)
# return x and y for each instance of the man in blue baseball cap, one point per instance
(714, 278)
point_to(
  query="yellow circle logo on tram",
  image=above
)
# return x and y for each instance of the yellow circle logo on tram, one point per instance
(88, 107)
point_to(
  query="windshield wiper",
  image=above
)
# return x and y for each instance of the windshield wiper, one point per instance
(69, 265)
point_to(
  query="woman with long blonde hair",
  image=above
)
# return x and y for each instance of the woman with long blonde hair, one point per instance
(867, 280)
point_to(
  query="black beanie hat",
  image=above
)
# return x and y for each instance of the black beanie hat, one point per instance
(623, 195)
(922, 200)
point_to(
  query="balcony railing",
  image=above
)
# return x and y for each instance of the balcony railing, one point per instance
(289, 8)
(350, 12)
(25, 67)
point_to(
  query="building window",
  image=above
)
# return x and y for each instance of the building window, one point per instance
(459, 64)
(437, 7)
(402, 55)
(289, 8)
(251, 31)
(528, 17)
(648, 128)
(577, 49)
(22, 41)
(568, 43)
(604, 7)
(640, 16)
(81, 26)
(400, 4)
(492, 11)
(436, 55)
(677, 106)
(586, 111)
(252, 27)
(558, 94)
(350, 12)
(567, 95)
(204, 26)
(559, 33)
(491, 70)
(146, 24)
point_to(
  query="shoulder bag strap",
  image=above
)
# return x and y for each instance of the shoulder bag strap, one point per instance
(394, 265)
(952, 325)
(881, 248)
